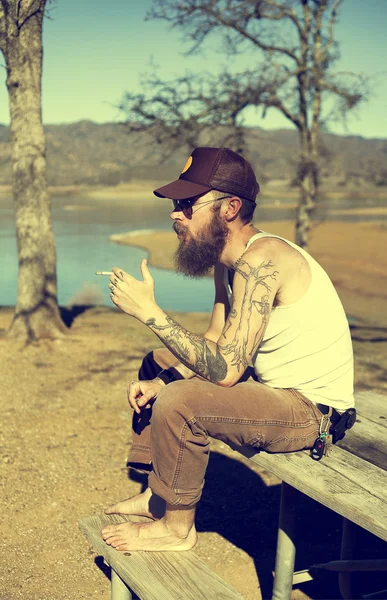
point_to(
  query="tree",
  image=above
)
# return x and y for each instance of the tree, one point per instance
(37, 313)
(295, 39)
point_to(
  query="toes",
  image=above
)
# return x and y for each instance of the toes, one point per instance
(109, 531)
(114, 541)
(111, 509)
(123, 548)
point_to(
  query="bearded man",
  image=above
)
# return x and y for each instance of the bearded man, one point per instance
(275, 363)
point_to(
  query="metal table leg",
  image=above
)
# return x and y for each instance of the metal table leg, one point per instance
(286, 549)
(347, 553)
(119, 589)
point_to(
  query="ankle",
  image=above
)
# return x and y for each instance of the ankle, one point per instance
(177, 529)
(179, 522)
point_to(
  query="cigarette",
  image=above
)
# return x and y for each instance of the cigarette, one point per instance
(104, 273)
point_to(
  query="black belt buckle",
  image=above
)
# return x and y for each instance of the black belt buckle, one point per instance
(344, 422)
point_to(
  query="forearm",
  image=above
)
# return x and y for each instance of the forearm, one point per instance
(197, 354)
(184, 371)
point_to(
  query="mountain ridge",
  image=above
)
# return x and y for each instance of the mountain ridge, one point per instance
(90, 153)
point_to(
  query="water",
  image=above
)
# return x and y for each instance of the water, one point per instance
(83, 247)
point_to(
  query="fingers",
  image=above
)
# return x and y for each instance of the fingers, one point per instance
(142, 394)
(114, 283)
(134, 390)
(119, 273)
(143, 401)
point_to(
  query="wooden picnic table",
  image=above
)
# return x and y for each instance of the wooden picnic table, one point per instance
(352, 481)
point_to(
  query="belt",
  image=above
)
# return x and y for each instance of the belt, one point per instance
(340, 422)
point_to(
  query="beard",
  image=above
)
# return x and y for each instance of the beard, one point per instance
(196, 257)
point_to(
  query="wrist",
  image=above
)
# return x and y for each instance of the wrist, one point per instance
(169, 375)
(150, 315)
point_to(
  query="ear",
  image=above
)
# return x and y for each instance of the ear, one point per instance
(233, 207)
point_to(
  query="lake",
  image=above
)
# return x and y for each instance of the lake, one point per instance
(82, 227)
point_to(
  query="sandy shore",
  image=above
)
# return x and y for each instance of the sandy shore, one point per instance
(353, 254)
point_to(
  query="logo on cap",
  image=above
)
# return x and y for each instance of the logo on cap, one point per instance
(187, 165)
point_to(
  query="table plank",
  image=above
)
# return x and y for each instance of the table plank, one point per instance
(158, 575)
(343, 482)
(373, 406)
(368, 440)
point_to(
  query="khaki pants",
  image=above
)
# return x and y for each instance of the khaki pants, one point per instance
(171, 440)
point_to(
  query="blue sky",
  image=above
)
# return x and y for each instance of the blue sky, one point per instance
(95, 50)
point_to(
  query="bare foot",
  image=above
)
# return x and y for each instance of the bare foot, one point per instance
(146, 504)
(150, 537)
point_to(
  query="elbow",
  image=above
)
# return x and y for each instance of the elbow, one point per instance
(228, 381)
(232, 378)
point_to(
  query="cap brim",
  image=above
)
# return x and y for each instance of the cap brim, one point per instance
(181, 189)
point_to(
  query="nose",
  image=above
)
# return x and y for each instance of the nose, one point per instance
(176, 215)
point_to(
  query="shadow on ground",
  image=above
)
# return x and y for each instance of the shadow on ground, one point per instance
(238, 505)
(69, 314)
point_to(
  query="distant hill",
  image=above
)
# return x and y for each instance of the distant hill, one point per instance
(88, 153)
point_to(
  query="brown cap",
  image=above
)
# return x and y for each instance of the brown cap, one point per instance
(212, 168)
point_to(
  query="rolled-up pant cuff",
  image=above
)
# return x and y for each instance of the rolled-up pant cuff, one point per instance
(173, 497)
(140, 459)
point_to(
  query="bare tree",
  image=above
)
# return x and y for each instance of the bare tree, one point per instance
(37, 314)
(292, 73)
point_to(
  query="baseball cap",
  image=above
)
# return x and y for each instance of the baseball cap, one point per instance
(212, 168)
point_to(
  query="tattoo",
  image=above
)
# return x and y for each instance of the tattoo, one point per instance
(198, 354)
(254, 277)
(232, 313)
(210, 359)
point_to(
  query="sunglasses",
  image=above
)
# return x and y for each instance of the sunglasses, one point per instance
(186, 206)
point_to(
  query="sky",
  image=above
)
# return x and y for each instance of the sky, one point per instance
(95, 50)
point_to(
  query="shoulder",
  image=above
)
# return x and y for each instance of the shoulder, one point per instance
(269, 246)
(268, 252)
(258, 271)
(285, 257)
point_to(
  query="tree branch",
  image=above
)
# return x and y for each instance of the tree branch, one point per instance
(180, 13)
(317, 73)
(330, 28)
(33, 9)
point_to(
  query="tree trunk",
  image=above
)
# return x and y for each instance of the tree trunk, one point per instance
(37, 313)
(308, 184)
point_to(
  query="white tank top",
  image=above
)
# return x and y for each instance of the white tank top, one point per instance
(307, 345)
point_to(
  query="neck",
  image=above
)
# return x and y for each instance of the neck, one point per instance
(236, 245)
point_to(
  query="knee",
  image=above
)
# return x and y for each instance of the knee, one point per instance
(176, 398)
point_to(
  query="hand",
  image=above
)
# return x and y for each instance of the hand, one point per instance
(142, 394)
(135, 298)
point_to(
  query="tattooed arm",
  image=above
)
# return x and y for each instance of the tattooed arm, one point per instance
(255, 285)
(220, 311)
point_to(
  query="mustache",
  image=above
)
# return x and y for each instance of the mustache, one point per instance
(177, 228)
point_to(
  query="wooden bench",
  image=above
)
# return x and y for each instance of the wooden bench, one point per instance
(352, 481)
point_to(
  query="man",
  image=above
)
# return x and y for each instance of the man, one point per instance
(276, 316)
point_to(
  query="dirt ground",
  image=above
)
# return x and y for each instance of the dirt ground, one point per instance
(65, 435)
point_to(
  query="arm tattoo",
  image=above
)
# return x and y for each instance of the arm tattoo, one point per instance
(198, 354)
(254, 277)
(208, 358)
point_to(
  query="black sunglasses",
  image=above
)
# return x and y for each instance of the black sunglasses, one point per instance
(187, 205)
